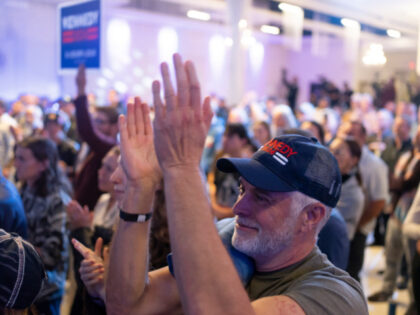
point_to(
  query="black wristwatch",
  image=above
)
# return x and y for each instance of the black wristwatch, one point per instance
(131, 217)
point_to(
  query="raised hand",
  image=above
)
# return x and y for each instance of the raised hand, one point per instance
(81, 80)
(182, 122)
(92, 269)
(138, 157)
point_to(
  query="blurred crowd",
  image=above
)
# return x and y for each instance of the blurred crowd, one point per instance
(61, 179)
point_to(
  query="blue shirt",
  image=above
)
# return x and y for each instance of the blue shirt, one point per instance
(12, 215)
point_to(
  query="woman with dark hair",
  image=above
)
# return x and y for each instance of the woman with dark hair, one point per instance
(351, 202)
(44, 202)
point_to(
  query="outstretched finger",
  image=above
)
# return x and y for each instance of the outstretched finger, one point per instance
(98, 246)
(207, 112)
(168, 89)
(139, 117)
(157, 101)
(122, 126)
(194, 86)
(82, 249)
(146, 118)
(182, 83)
(131, 120)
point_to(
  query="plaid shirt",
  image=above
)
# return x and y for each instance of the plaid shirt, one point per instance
(46, 218)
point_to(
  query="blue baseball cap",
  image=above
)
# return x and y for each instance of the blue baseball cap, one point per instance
(290, 163)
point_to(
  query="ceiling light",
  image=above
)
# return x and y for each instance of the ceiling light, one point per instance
(290, 8)
(374, 56)
(242, 24)
(274, 30)
(198, 15)
(350, 23)
(393, 33)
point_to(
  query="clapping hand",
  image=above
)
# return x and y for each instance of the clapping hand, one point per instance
(77, 216)
(182, 122)
(138, 157)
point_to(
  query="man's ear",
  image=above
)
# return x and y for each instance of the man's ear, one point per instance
(313, 214)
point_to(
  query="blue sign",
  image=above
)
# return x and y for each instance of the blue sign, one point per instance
(80, 34)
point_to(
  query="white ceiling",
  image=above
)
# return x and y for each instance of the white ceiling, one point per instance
(403, 15)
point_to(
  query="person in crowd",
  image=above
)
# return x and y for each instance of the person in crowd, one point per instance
(87, 226)
(400, 143)
(6, 139)
(55, 125)
(100, 133)
(44, 200)
(404, 183)
(314, 128)
(282, 119)
(394, 148)
(374, 177)
(22, 274)
(348, 152)
(66, 105)
(223, 188)
(292, 89)
(261, 131)
(411, 230)
(346, 96)
(305, 112)
(327, 117)
(388, 93)
(282, 206)
(12, 214)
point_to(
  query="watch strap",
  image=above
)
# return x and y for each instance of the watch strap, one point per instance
(132, 217)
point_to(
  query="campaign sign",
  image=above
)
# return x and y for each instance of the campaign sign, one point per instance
(80, 34)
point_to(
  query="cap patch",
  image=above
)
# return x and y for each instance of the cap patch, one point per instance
(275, 146)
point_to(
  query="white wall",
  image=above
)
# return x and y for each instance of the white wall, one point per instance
(28, 56)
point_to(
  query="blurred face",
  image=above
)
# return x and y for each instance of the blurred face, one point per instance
(341, 152)
(232, 144)
(261, 134)
(28, 168)
(280, 121)
(52, 129)
(307, 126)
(109, 164)
(266, 222)
(118, 180)
(354, 130)
(401, 129)
(102, 123)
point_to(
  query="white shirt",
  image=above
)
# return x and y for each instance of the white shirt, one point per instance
(374, 174)
(101, 216)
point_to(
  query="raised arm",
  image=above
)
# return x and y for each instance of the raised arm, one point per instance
(129, 290)
(96, 141)
(205, 275)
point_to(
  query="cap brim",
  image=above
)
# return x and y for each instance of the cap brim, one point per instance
(254, 173)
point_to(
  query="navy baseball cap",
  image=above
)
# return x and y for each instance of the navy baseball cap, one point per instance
(22, 272)
(290, 163)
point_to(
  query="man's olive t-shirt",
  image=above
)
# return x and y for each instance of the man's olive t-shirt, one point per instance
(315, 284)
